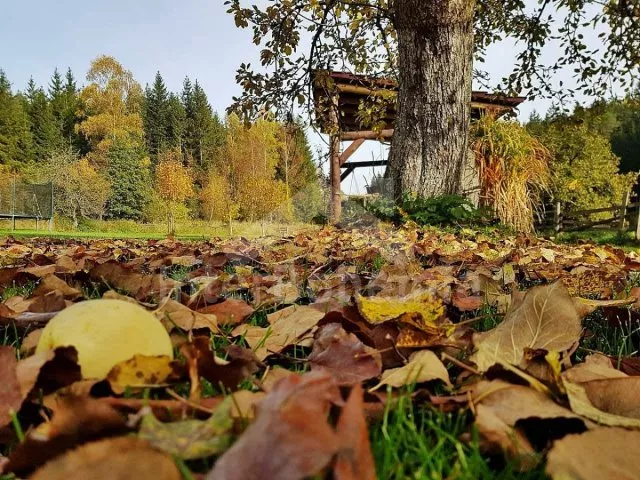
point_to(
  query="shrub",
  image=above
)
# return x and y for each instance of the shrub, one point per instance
(445, 210)
(514, 171)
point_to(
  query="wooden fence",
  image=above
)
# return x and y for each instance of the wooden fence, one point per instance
(622, 217)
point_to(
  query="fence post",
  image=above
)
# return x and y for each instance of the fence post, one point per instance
(13, 204)
(557, 218)
(623, 210)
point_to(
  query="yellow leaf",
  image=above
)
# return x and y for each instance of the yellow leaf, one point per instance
(140, 371)
(382, 309)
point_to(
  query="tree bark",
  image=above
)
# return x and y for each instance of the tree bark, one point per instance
(430, 142)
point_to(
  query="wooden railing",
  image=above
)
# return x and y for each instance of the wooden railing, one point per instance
(623, 217)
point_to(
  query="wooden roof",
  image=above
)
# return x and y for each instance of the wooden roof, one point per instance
(352, 89)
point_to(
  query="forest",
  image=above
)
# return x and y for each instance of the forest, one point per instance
(116, 150)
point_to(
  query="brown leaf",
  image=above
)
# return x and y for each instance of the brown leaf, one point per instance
(52, 283)
(240, 365)
(10, 393)
(354, 460)
(500, 410)
(344, 356)
(628, 365)
(229, 312)
(115, 275)
(594, 367)
(601, 454)
(544, 318)
(291, 438)
(111, 459)
(613, 402)
(287, 330)
(76, 420)
(174, 313)
(30, 342)
(49, 370)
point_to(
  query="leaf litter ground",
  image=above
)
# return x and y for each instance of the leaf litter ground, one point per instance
(345, 354)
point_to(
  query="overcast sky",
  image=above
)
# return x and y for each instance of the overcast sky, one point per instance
(179, 38)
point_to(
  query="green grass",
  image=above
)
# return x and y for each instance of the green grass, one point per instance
(421, 443)
(127, 229)
(615, 341)
(625, 240)
(13, 290)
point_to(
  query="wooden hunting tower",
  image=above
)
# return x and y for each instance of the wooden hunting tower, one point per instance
(341, 101)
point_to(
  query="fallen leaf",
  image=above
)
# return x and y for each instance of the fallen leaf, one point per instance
(52, 283)
(48, 371)
(501, 410)
(382, 309)
(613, 402)
(354, 460)
(111, 459)
(142, 287)
(600, 454)
(344, 356)
(10, 394)
(290, 438)
(594, 367)
(543, 318)
(76, 420)
(287, 330)
(229, 311)
(423, 366)
(174, 313)
(190, 439)
(240, 364)
(141, 371)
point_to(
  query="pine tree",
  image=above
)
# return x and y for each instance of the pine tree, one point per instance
(46, 136)
(15, 136)
(176, 118)
(204, 132)
(129, 176)
(156, 117)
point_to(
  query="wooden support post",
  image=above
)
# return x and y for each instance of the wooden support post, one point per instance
(351, 149)
(637, 232)
(557, 218)
(623, 210)
(334, 170)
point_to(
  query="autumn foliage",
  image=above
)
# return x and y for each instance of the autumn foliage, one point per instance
(293, 353)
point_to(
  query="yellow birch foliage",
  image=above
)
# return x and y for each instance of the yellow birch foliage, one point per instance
(173, 180)
(174, 184)
(216, 199)
(112, 103)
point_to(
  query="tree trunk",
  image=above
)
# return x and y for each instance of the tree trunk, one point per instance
(430, 143)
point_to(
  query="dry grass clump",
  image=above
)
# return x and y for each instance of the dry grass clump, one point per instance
(514, 170)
